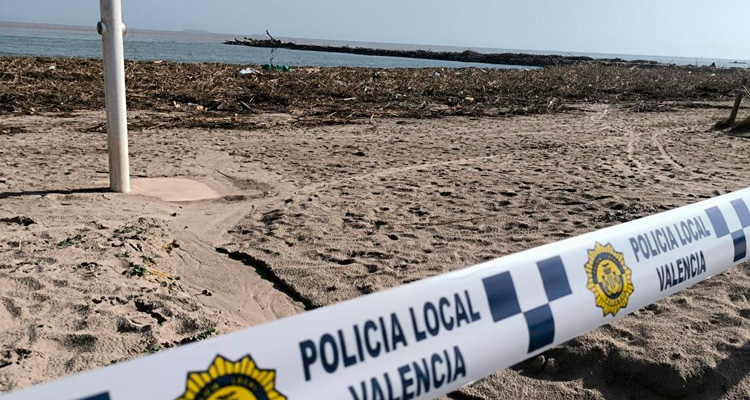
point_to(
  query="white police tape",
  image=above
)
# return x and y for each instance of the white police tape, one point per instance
(431, 337)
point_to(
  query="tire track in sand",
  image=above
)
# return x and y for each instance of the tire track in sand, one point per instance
(664, 153)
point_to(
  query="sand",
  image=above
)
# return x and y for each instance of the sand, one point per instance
(310, 216)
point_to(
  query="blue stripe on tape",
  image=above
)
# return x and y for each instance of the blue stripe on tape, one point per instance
(101, 396)
(717, 221)
(501, 294)
(742, 212)
(503, 300)
(541, 327)
(740, 245)
(554, 278)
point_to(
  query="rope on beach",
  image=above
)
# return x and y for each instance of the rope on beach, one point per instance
(431, 337)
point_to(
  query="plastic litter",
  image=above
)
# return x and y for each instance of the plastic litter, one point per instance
(249, 71)
(276, 67)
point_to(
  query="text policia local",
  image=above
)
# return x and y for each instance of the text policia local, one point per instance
(389, 333)
(663, 240)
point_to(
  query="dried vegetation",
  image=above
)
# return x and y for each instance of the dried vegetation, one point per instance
(215, 95)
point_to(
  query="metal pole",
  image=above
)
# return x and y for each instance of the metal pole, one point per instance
(112, 30)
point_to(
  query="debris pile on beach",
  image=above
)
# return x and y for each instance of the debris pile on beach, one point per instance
(215, 95)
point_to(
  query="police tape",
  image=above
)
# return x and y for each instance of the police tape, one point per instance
(431, 337)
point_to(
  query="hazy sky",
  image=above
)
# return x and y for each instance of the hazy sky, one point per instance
(690, 28)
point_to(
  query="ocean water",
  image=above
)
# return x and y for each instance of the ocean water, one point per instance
(18, 39)
(190, 47)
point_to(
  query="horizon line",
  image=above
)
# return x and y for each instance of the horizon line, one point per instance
(543, 52)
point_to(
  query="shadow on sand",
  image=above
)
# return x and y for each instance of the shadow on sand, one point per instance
(618, 377)
(46, 192)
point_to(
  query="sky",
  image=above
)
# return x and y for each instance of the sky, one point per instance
(684, 28)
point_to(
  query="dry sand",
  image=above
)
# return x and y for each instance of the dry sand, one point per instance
(309, 217)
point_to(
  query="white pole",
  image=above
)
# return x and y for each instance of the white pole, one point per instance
(112, 30)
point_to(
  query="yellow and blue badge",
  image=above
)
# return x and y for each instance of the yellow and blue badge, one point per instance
(608, 278)
(228, 380)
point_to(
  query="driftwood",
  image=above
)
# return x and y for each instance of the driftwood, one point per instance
(316, 95)
(737, 101)
(273, 39)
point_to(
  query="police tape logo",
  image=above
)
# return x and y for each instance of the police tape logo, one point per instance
(608, 278)
(227, 380)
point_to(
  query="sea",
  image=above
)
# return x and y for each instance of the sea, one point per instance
(23, 39)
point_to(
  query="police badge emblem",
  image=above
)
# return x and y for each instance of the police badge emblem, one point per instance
(609, 279)
(232, 380)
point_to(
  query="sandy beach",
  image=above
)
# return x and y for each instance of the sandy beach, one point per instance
(315, 208)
